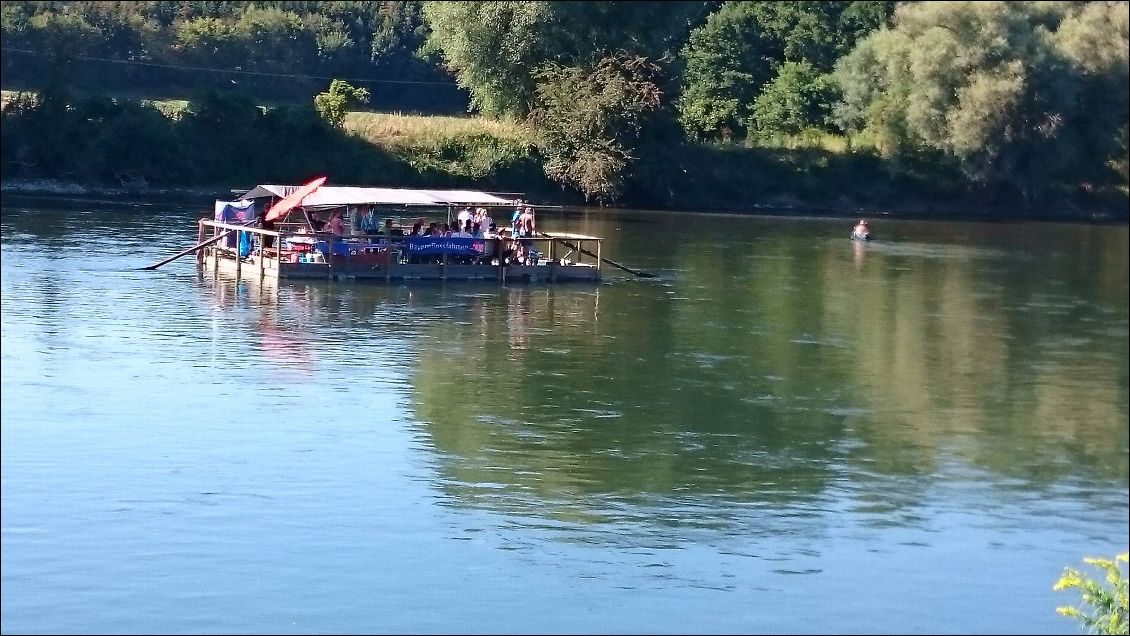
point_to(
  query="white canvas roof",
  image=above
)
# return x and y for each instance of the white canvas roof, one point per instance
(331, 196)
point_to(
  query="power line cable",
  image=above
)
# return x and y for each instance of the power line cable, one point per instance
(237, 71)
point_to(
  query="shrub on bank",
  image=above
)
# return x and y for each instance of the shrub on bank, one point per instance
(1106, 610)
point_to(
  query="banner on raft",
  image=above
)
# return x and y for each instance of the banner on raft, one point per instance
(234, 212)
(445, 245)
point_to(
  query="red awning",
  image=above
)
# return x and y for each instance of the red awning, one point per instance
(293, 199)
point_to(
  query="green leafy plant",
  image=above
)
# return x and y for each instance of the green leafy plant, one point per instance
(1108, 605)
(333, 103)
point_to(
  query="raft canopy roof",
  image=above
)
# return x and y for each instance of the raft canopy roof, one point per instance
(336, 196)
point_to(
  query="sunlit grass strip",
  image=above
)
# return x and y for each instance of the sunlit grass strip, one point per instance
(393, 130)
(807, 140)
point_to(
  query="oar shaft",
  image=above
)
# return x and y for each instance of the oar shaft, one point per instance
(189, 250)
(198, 246)
(610, 262)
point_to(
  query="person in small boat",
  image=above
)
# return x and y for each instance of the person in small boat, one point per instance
(862, 230)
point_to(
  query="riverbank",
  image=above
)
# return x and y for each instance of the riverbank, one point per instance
(203, 196)
(64, 189)
(131, 150)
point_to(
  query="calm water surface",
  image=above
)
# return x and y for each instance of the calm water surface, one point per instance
(784, 431)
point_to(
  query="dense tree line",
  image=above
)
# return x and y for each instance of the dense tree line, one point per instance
(1023, 95)
(275, 50)
(761, 67)
(1024, 100)
(1027, 99)
(95, 139)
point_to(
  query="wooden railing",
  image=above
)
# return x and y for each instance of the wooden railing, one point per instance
(575, 243)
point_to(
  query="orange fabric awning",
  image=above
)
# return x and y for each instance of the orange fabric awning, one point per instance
(293, 199)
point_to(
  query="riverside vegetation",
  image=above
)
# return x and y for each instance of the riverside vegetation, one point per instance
(1107, 608)
(1000, 107)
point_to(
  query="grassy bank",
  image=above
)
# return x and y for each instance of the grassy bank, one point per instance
(470, 149)
(227, 143)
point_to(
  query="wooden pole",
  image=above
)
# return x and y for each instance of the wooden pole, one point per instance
(200, 239)
(238, 255)
(498, 256)
(278, 260)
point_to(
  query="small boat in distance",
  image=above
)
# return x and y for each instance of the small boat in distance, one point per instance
(861, 231)
(369, 233)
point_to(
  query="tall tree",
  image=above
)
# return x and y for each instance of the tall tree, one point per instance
(1017, 92)
(348, 38)
(733, 56)
(495, 49)
(798, 98)
(589, 120)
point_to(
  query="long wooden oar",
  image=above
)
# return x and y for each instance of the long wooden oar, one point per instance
(569, 245)
(279, 209)
(189, 250)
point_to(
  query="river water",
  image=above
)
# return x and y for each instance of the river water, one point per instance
(783, 431)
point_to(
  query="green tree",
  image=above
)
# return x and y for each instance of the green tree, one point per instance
(277, 40)
(589, 121)
(1094, 41)
(332, 104)
(799, 97)
(999, 86)
(733, 56)
(496, 49)
(585, 32)
(399, 33)
(65, 36)
(728, 60)
(1108, 611)
(347, 38)
(123, 32)
(493, 49)
(205, 40)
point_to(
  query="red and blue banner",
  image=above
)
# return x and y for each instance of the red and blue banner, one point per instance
(445, 245)
(236, 213)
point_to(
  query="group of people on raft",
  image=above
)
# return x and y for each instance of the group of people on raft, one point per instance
(467, 224)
